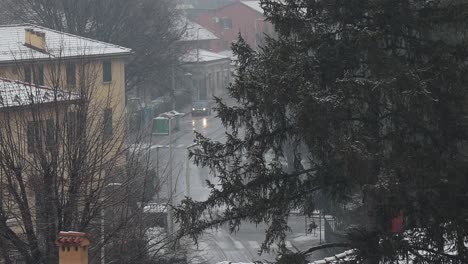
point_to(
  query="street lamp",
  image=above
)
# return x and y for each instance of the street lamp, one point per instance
(169, 212)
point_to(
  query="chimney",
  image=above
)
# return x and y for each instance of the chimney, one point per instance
(73, 247)
(34, 39)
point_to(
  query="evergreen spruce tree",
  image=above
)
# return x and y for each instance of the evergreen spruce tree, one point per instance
(366, 102)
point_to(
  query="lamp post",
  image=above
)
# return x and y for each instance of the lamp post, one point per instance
(173, 87)
(169, 213)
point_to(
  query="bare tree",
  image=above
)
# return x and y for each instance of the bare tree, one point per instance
(65, 165)
(146, 26)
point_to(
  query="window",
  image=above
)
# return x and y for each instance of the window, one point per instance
(71, 122)
(226, 23)
(27, 74)
(202, 88)
(107, 132)
(33, 136)
(212, 85)
(107, 71)
(226, 77)
(71, 74)
(50, 130)
(34, 75)
(209, 84)
(39, 75)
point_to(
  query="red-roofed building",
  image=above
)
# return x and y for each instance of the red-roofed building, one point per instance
(245, 17)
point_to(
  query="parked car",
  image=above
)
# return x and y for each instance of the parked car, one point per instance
(201, 108)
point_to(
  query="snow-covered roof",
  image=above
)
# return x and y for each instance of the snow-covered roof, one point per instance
(344, 257)
(194, 31)
(184, 6)
(255, 5)
(228, 53)
(58, 45)
(16, 93)
(203, 56)
(155, 208)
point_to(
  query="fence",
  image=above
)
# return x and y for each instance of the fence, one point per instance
(334, 229)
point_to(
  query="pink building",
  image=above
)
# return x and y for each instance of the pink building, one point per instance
(245, 17)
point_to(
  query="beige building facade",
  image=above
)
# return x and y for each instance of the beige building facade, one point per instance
(49, 58)
(60, 95)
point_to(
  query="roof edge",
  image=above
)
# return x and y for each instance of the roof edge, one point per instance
(35, 85)
(91, 56)
(66, 33)
(243, 3)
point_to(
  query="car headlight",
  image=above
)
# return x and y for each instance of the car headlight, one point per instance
(204, 109)
(193, 109)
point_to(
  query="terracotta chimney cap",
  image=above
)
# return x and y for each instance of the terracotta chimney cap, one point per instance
(72, 238)
(72, 233)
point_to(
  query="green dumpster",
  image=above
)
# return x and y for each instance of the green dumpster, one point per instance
(160, 126)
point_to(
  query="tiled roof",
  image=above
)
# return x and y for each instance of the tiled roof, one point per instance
(58, 45)
(16, 93)
(203, 56)
(194, 31)
(255, 5)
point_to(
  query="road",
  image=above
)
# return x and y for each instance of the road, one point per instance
(217, 245)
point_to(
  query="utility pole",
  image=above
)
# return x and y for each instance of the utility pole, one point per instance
(171, 193)
(197, 67)
(198, 46)
(172, 92)
(187, 176)
(320, 227)
(157, 172)
(187, 171)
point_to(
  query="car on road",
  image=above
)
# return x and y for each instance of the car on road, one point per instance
(201, 108)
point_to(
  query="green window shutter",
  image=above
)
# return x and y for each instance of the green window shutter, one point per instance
(30, 137)
(71, 74)
(33, 136)
(39, 78)
(27, 74)
(107, 71)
